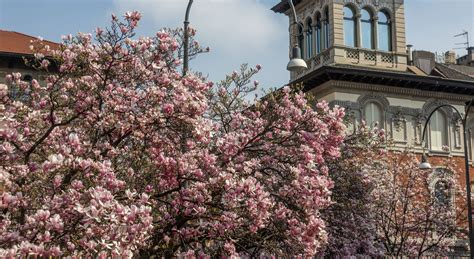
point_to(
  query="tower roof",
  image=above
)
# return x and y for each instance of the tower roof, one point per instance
(283, 6)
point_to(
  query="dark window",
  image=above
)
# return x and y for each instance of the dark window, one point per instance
(27, 78)
(301, 40)
(326, 29)
(318, 35)
(309, 39)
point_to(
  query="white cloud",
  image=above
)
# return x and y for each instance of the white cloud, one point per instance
(228, 24)
(237, 31)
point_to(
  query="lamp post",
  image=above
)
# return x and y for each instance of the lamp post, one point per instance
(186, 39)
(426, 165)
(296, 62)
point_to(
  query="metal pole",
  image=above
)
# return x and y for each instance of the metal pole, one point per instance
(468, 181)
(466, 163)
(295, 17)
(186, 39)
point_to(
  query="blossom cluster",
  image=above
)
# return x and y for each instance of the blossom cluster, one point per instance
(117, 154)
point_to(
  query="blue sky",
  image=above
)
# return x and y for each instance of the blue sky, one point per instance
(238, 31)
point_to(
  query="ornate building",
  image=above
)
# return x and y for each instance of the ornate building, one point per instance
(357, 58)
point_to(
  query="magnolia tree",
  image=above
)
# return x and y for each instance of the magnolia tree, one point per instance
(385, 205)
(118, 154)
(418, 212)
(351, 218)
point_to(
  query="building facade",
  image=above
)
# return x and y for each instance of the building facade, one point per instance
(14, 48)
(358, 58)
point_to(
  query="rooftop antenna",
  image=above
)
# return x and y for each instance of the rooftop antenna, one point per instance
(466, 43)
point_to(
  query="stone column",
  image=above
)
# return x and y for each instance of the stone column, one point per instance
(323, 34)
(304, 49)
(375, 25)
(357, 31)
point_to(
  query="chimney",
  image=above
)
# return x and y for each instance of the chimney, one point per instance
(410, 54)
(450, 57)
(424, 60)
(470, 50)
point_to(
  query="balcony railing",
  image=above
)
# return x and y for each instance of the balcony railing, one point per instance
(369, 57)
(365, 57)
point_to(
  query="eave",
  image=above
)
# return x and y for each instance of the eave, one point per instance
(284, 6)
(387, 78)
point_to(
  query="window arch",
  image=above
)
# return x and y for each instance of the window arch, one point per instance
(326, 28)
(301, 40)
(438, 131)
(367, 29)
(373, 115)
(440, 184)
(309, 38)
(318, 34)
(349, 27)
(384, 31)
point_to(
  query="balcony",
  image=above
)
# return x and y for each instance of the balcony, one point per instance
(349, 56)
(369, 57)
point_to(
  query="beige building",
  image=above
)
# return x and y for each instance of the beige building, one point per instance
(358, 58)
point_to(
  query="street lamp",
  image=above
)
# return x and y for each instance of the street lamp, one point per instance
(425, 165)
(296, 63)
(186, 39)
(424, 162)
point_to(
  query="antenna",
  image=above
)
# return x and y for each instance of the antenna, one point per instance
(466, 43)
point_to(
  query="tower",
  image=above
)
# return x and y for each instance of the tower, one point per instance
(369, 33)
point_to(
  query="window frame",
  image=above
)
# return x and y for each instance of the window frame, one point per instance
(353, 20)
(388, 25)
(445, 134)
(309, 39)
(446, 175)
(326, 24)
(381, 123)
(370, 22)
(318, 34)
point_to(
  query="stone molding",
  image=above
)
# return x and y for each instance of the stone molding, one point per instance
(400, 90)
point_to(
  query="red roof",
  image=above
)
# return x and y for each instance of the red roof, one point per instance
(19, 43)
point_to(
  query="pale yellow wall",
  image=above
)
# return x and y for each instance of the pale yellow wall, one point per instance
(399, 100)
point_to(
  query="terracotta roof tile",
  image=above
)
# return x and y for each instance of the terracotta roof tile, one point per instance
(19, 43)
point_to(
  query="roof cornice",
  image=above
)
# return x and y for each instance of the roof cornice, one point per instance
(387, 78)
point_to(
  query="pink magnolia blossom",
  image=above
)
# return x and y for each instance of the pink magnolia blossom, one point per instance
(125, 157)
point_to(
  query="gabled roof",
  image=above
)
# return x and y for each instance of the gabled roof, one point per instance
(12, 42)
(467, 70)
(454, 71)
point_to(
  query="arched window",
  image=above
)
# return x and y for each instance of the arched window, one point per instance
(367, 34)
(349, 27)
(309, 38)
(318, 34)
(442, 192)
(326, 28)
(373, 115)
(301, 40)
(440, 184)
(438, 131)
(384, 32)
